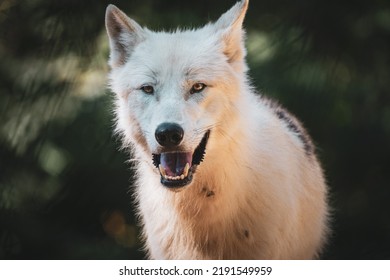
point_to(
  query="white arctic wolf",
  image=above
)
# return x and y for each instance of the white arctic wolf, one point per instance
(221, 172)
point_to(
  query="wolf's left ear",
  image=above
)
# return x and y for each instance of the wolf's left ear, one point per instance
(124, 34)
(229, 25)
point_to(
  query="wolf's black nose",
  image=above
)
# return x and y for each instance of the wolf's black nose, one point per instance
(169, 134)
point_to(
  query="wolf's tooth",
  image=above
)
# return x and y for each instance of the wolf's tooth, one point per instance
(182, 176)
(186, 169)
(162, 170)
(165, 177)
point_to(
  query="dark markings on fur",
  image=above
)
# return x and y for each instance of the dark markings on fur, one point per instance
(246, 233)
(292, 124)
(208, 192)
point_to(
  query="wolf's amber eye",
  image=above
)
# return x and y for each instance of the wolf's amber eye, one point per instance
(147, 89)
(198, 87)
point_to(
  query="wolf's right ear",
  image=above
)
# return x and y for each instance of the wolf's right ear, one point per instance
(124, 34)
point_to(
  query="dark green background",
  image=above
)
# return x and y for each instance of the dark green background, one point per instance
(64, 186)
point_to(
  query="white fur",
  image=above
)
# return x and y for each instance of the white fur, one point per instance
(258, 194)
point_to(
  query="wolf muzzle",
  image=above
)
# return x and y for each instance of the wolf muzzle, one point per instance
(176, 166)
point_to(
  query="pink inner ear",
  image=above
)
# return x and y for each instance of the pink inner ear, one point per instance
(174, 163)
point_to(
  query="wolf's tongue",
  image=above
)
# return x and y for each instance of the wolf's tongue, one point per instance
(174, 163)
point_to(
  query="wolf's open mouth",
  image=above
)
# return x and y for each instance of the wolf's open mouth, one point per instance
(177, 168)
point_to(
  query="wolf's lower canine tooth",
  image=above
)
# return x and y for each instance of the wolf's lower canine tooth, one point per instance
(182, 176)
(162, 170)
(186, 169)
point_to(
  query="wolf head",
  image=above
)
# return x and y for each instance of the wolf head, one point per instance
(175, 90)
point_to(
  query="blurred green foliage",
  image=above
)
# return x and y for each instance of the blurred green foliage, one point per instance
(64, 186)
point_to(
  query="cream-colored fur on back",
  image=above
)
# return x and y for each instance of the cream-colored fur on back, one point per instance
(260, 191)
